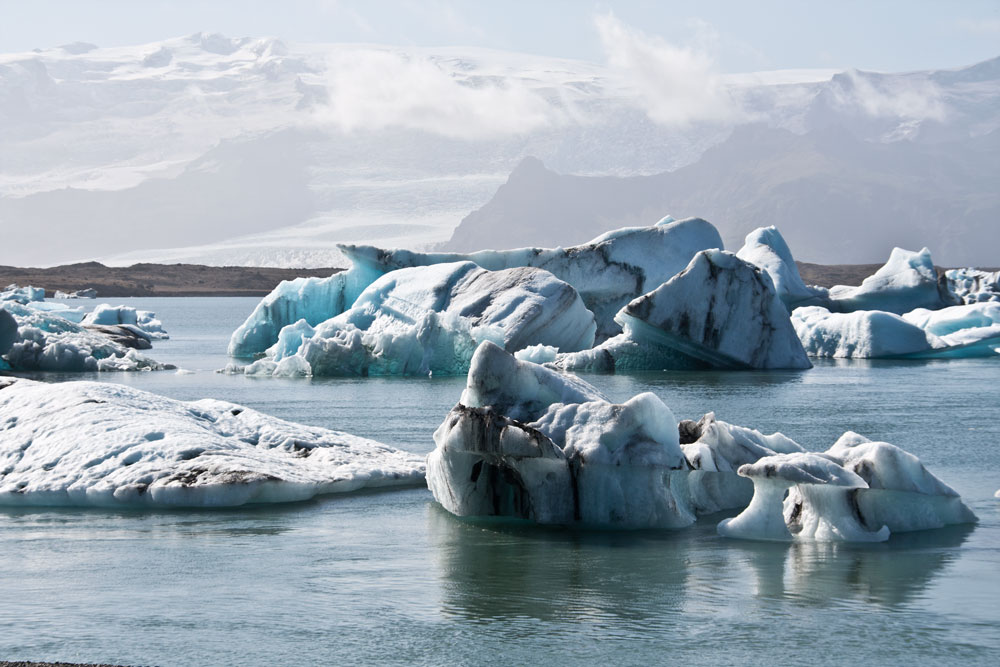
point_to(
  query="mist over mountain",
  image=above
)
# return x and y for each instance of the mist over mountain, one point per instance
(214, 150)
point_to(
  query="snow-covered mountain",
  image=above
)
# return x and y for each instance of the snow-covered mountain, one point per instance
(250, 151)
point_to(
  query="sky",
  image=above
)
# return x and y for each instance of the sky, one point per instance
(881, 35)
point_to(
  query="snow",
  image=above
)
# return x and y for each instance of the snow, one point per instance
(719, 312)
(429, 319)
(108, 445)
(907, 281)
(765, 248)
(873, 334)
(107, 315)
(46, 341)
(608, 272)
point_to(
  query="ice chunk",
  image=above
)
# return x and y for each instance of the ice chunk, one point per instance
(974, 286)
(537, 354)
(873, 334)
(719, 312)
(60, 309)
(431, 318)
(103, 444)
(108, 315)
(48, 342)
(608, 272)
(766, 248)
(826, 513)
(959, 324)
(22, 295)
(907, 281)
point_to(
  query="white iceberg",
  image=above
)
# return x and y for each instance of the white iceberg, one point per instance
(973, 285)
(765, 248)
(108, 315)
(87, 293)
(874, 334)
(22, 295)
(47, 342)
(103, 444)
(608, 272)
(719, 312)
(430, 319)
(60, 309)
(530, 443)
(906, 282)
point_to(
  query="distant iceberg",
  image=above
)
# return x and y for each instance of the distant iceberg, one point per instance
(22, 295)
(974, 286)
(107, 315)
(429, 319)
(765, 248)
(906, 282)
(108, 445)
(719, 312)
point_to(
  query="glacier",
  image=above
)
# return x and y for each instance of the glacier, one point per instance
(108, 445)
(718, 312)
(429, 319)
(38, 340)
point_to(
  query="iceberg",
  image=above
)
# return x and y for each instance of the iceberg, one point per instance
(719, 312)
(874, 334)
(974, 286)
(60, 309)
(608, 271)
(108, 445)
(906, 282)
(22, 295)
(47, 342)
(765, 248)
(530, 443)
(87, 293)
(429, 319)
(107, 315)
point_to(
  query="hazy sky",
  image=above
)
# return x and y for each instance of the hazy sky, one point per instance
(888, 35)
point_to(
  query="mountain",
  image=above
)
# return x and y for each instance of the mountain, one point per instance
(218, 150)
(835, 198)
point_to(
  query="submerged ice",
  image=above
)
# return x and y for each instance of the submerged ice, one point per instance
(102, 444)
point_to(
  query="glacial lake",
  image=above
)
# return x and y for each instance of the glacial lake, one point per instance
(392, 578)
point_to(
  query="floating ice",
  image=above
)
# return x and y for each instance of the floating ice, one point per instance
(719, 312)
(974, 286)
(22, 295)
(431, 318)
(48, 342)
(60, 309)
(103, 444)
(608, 272)
(88, 293)
(873, 334)
(907, 281)
(107, 315)
(765, 248)
(528, 442)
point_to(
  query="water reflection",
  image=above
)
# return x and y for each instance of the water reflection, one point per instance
(501, 570)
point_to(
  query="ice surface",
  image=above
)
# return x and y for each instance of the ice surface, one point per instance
(429, 319)
(974, 286)
(102, 444)
(608, 272)
(719, 312)
(873, 334)
(907, 281)
(107, 315)
(47, 342)
(22, 295)
(766, 248)
(60, 309)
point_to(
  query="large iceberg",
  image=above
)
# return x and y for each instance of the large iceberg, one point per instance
(857, 491)
(608, 272)
(765, 248)
(719, 312)
(429, 319)
(530, 443)
(103, 444)
(46, 341)
(874, 334)
(907, 281)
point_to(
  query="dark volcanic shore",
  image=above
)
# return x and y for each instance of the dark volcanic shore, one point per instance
(157, 279)
(199, 280)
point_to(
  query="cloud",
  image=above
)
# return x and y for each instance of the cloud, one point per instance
(375, 89)
(907, 98)
(674, 85)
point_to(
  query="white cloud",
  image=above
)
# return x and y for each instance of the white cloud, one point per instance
(674, 85)
(374, 89)
(907, 98)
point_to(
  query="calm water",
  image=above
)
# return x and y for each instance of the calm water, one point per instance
(390, 577)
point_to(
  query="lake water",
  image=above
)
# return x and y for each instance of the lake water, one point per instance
(392, 578)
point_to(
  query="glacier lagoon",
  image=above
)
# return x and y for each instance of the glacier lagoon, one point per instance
(393, 577)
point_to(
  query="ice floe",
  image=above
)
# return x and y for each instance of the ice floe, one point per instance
(907, 281)
(429, 319)
(107, 315)
(719, 312)
(103, 444)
